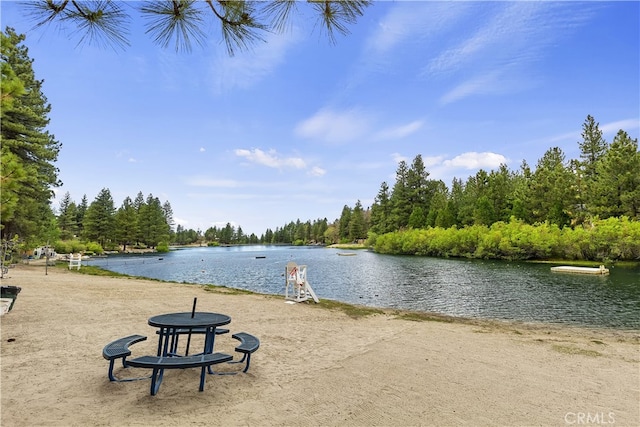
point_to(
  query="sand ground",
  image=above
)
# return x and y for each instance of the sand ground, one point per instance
(315, 366)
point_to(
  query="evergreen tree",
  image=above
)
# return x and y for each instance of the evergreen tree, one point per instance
(317, 230)
(268, 236)
(168, 214)
(152, 222)
(99, 220)
(357, 226)
(80, 213)
(381, 211)
(12, 171)
(226, 234)
(211, 234)
(238, 235)
(592, 148)
(343, 224)
(521, 193)
(417, 219)
(500, 193)
(418, 187)
(438, 204)
(126, 224)
(483, 210)
(456, 201)
(28, 150)
(67, 218)
(617, 187)
(401, 206)
(552, 195)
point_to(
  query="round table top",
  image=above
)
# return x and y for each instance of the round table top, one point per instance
(184, 320)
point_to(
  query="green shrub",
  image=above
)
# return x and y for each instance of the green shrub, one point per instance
(94, 248)
(597, 240)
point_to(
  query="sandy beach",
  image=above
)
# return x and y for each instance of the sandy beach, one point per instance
(315, 366)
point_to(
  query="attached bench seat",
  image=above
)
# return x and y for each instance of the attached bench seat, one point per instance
(119, 349)
(186, 331)
(159, 364)
(248, 344)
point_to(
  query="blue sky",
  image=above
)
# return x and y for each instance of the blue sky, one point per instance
(297, 128)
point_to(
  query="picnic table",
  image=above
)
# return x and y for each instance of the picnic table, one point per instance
(172, 325)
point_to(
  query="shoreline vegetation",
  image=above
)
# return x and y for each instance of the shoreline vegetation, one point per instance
(602, 241)
(614, 241)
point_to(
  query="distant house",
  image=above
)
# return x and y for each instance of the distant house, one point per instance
(42, 252)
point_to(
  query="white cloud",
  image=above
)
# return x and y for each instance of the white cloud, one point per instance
(201, 181)
(413, 21)
(270, 159)
(202, 149)
(474, 160)
(317, 171)
(503, 45)
(485, 84)
(512, 31)
(430, 161)
(180, 221)
(625, 125)
(400, 131)
(397, 158)
(335, 126)
(132, 160)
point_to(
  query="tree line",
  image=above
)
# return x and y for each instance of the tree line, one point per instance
(574, 197)
(603, 183)
(142, 223)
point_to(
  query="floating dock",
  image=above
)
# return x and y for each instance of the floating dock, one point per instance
(346, 254)
(580, 270)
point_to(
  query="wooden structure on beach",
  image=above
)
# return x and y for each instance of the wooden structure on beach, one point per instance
(75, 261)
(297, 287)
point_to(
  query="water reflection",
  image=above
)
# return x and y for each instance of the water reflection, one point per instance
(468, 288)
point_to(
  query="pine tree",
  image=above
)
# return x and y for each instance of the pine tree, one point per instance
(592, 148)
(126, 224)
(552, 193)
(357, 226)
(418, 184)
(67, 218)
(152, 222)
(80, 213)
(242, 23)
(99, 220)
(381, 211)
(343, 225)
(28, 150)
(401, 206)
(617, 187)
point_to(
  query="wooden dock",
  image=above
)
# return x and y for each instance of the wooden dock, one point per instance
(580, 270)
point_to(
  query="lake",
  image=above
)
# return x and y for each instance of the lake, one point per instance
(501, 290)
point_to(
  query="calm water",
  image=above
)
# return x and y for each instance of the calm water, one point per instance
(467, 288)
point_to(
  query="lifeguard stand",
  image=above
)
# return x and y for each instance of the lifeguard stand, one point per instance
(296, 279)
(75, 261)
